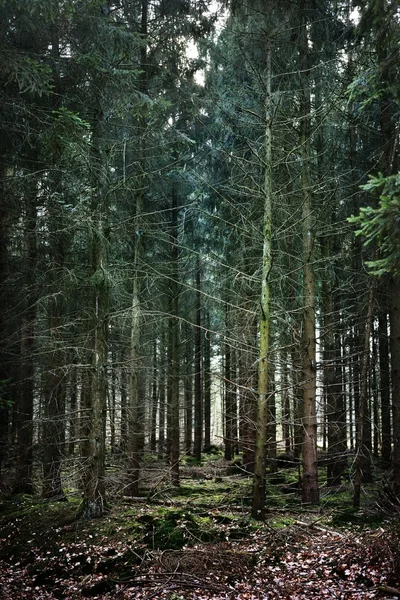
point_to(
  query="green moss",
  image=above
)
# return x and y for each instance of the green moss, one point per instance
(281, 522)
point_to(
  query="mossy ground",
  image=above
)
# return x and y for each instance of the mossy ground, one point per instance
(211, 505)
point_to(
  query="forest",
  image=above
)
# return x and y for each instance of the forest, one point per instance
(200, 299)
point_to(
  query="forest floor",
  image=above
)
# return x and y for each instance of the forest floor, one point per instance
(198, 542)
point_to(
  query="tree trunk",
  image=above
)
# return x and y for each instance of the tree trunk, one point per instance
(383, 345)
(207, 387)
(271, 431)
(247, 400)
(188, 395)
(394, 316)
(362, 460)
(286, 419)
(198, 391)
(54, 379)
(310, 490)
(124, 410)
(154, 402)
(23, 476)
(5, 367)
(161, 386)
(95, 405)
(174, 343)
(136, 407)
(73, 410)
(259, 484)
(228, 441)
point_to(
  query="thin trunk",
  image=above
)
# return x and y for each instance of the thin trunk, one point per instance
(135, 421)
(207, 387)
(271, 432)
(310, 490)
(136, 408)
(54, 404)
(161, 386)
(73, 408)
(23, 476)
(259, 483)
(173, 375)
(285, 423)
(383, 343)
(5, 367)
(375, 409)
(112, 405)
(362, 459)
(124, 410)
(198, 391)
(228, 441)
(154, 402)
(188, 395)
(95, 408)
(394, 316)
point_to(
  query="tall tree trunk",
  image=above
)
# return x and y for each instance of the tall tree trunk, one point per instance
(228, 441)
(383, 345)
(188, 395)
(73, 409)
(198, 390)
(154, 402)
(207, 387)
(112, 406)
(310, 490)
(362, 460)
(136, 407)
(5, 370)
(247, 400)
(23, 476)
(259, 483)
(124, 410)
(174, 344)
(95, 405)
(135, 421)
(161, 386)
(271, 431)
(394, 315)
(285, 421)
(54, 386)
